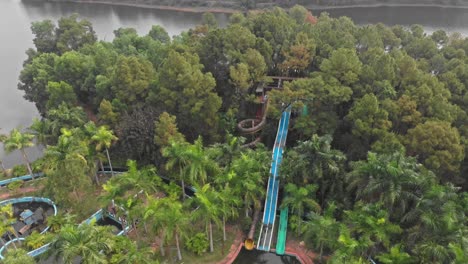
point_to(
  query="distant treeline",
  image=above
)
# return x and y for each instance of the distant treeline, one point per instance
(259, 4)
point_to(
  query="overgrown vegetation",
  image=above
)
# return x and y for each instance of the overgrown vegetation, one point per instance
(375, 165)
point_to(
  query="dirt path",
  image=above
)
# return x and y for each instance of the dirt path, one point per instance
(235, 249)
(7, 195)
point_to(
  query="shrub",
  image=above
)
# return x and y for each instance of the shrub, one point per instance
(198, 244)
(19, 170)
(15, 186)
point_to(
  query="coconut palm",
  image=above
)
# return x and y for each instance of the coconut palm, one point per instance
(103, 138)
(19, 141)
(299, 199)
(207, 208)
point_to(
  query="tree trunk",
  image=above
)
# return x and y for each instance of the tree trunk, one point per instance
(3, 168)
(321, 252)
(299, 224)
(179, 255)
(102, 166)
(110, 163)
(26, 160)
(224, 229)
(96, 178)
(183, 186)
(161, 245)
(211, 237)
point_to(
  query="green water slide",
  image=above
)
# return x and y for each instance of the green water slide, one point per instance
(282, 230)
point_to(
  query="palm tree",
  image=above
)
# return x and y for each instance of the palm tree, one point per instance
(66, 166)
(41, 130)
(56, 222)
(207, 209)
(18, 256)
(323, 229)
(226, 152)
(89, 243)
(392, 179)
(395, 255)
(158, 220)
(177, 159)
(229, 203)
(104, 138)
(20, 141)
(176, 222)
(36, 240)
(200, 165)
(299, 199)
(314, 161)
(249, 172)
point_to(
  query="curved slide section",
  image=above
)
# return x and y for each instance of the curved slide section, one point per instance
(271, 201)
(21, 178)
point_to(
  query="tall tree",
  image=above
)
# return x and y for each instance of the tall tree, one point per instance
(104, 139)
(20, 141)
(207, 209)
(300, 199)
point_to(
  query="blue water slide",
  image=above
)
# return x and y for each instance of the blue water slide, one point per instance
(271, 201)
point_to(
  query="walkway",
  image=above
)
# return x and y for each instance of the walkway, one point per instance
(300, 251)
(235, 249)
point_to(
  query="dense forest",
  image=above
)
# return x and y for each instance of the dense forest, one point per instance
(375, 168)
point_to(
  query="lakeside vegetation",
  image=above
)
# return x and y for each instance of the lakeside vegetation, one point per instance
(375, 168)
(229, 6)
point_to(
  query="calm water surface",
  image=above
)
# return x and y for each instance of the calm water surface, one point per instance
(16, 17)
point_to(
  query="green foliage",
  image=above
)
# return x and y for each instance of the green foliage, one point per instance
(60, 93)
(18, 256)
(19, 170)
(15, 186)
(373, 95)
(198, 243)
(437, 145)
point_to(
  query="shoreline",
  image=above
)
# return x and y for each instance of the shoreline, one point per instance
(223, 10)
